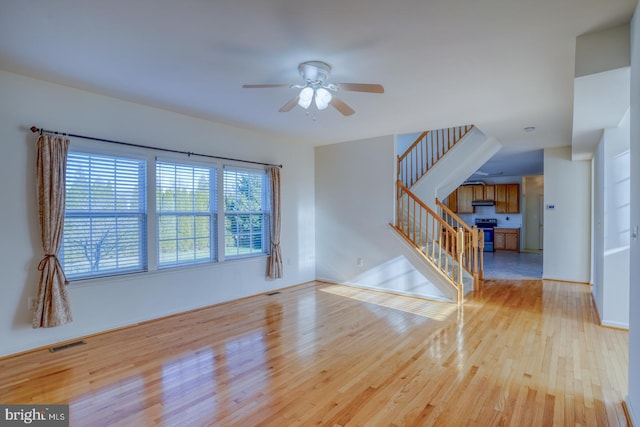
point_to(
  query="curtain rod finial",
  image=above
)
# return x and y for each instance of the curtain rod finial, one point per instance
(34, 129)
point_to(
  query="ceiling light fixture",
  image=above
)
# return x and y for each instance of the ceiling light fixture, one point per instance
(305, 97)
(322, 97)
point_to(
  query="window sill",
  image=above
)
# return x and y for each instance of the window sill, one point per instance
(92, 281)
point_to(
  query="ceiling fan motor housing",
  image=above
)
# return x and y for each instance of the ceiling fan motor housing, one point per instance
(314, 72)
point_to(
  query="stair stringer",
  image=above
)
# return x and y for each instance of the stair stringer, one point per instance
(466, 157)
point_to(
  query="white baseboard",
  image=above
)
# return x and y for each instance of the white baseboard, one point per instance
(616, 325)
(635, 421)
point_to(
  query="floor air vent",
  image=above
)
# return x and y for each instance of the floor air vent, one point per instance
(270, 294)
(66, 346)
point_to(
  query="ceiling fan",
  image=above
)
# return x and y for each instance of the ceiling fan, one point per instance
(315, 88)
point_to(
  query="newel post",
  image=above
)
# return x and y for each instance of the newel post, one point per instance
(460, 250)
(476, 266)
(481, 252)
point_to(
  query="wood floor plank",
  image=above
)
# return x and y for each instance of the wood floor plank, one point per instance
(517, 353)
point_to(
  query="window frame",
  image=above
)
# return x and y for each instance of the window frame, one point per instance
(151, 256)
(264, 213)
(142, 215)
(211, 213)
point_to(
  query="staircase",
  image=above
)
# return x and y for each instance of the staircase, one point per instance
(426, 151)
(445, 242)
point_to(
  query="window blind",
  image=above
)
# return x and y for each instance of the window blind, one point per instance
(186, 206)
(246, 214)
(105, 216)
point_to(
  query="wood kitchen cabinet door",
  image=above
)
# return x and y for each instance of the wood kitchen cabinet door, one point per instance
(507, 198)
(478, 192)
(452, 201)
(489, 192)
(465, 197)
(499, 243)
(501, 198)
(512, 242)
(513, 198)
(506, 239)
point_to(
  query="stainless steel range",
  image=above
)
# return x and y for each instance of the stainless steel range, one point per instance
(487, 225)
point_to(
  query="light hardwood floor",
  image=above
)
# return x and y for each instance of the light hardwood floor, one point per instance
(518, 353)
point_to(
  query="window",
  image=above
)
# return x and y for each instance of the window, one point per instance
(246, 216)
(105, 216)
(186, 214)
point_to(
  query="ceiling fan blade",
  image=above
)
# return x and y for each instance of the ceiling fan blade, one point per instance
(263, 86)
(289, 105)
(361, 87)
(341, 106)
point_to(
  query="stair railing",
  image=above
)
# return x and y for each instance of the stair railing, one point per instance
(440, 243)
(474, 243)
(426, 151)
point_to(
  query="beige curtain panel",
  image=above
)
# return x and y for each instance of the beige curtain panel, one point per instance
(274, 268)
(52, 306)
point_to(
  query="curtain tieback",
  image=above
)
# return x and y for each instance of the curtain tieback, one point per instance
(45, 259)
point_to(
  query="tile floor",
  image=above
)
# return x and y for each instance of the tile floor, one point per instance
(512, 265)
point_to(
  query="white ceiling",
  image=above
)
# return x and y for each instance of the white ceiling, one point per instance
(500, 64)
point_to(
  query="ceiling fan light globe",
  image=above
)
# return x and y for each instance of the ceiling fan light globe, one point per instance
(323, 98)
(305, 97)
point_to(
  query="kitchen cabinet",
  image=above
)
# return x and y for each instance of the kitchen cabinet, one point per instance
(506, 239)
(465, 197)
(489, 192)
(469, 193)
(478, 192)
(513, 198)
(507, 198)
(452, 201)
(501, 198)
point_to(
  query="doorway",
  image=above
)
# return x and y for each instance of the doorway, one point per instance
(533, 217)
(527, 263)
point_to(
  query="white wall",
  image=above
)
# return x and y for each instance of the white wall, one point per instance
(602, 50)
(598, 182)
(105, 304)
(567, 228)
(612, 226)
(354, 205)
(633, 399)
(355, 197)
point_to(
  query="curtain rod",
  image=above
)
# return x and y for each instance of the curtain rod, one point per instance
(35, 129)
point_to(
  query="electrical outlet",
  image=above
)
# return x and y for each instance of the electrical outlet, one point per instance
(31, 303)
